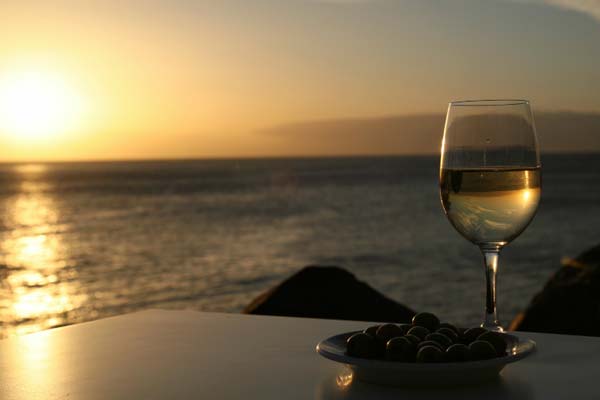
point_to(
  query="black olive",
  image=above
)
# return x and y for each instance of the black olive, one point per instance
(361, 345)
(457, 353)
(405, 328)
(387, 332)
(413, 338)
(497, 340)
(372, 330)
(400, 349)
(430, 343)
(449, 333)
(449, 326)
(443, 340)
(481, 350)
(430, 354)
(426, 320)
(472, 334)
(419, 331)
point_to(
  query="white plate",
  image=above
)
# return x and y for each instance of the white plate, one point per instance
(402, 373)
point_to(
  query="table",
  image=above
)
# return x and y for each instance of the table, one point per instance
(194, 355)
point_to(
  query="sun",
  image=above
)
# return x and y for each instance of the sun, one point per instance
(37, 105)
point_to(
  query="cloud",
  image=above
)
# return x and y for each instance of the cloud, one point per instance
(422, 134)
(348, 1)
(588, 7)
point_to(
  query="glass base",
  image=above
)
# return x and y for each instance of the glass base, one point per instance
(492, 327)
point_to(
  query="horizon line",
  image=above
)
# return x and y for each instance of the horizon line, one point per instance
(259, 157)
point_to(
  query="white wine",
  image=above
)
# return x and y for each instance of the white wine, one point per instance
(490, 206)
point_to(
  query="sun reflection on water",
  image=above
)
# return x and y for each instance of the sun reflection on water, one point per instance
(36, 303)
(35, 251)
(30, 169)
(41, 288)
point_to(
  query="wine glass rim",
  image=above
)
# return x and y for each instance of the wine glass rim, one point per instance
(489, 102)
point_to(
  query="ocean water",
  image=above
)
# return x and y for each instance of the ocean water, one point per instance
(80, 241)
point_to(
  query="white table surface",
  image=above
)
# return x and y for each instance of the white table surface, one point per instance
(193, 355)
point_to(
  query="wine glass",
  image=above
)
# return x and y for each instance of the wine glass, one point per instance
(490, 179)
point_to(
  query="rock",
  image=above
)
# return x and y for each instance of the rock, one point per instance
(328, 292)
(569, 303)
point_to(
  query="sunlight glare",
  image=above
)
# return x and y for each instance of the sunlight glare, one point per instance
(37, 105)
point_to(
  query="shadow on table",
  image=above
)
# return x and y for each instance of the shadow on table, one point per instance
(342, 386)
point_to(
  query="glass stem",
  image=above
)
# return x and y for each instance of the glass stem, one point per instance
(490, 256)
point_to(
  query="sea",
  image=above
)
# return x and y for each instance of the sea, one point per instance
(81, 241)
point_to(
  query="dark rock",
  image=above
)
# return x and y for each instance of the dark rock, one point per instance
(569, 303)
(328, 292)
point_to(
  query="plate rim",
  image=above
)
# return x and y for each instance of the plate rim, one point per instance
(530, 347)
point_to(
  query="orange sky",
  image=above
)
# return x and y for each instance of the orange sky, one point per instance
(206, 79)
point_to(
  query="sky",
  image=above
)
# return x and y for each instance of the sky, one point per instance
(184, 79)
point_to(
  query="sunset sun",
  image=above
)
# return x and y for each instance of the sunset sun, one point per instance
(37, 105)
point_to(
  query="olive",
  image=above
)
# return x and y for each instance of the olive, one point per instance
(472, 334)
(426, 320)
(430, 354)
(387, 332)
(449, 333)
(481, 350)
(457, 353)
(414, 339)
(405, 328)
(400, 349)
(443, 340)
(361, 345)
(419, 331)
(497, 340)
(449, 326)
(430, 343)
(372, 330)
